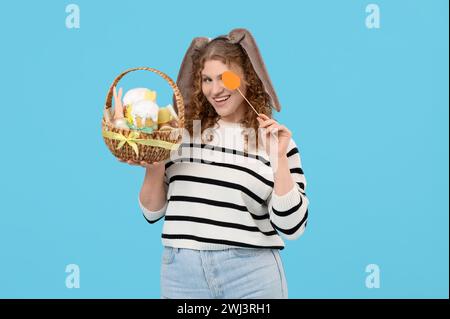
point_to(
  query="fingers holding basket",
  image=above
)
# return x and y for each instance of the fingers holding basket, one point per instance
(141, 163)
(148, 165)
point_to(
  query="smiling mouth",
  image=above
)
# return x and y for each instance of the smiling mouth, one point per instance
(222, 99)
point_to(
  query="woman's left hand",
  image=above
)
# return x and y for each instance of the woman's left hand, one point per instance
(274, 128)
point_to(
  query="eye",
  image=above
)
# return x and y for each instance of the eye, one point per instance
(206, 79)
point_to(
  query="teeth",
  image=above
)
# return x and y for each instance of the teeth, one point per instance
(222, 99)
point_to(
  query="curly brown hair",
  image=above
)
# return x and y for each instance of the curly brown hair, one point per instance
(223, 50)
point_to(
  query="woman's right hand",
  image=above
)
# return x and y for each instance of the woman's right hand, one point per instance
(150, 166)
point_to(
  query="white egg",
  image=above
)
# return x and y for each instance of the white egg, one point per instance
(120, 123)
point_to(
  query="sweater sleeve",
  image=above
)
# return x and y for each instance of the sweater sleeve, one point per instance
(153, 216)
(289, 212)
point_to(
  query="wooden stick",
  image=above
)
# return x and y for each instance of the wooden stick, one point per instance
(248, 101)
(273, 133)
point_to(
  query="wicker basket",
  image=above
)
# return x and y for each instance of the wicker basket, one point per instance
(127, 144)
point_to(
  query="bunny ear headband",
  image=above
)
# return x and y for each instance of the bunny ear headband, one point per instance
(238, 36)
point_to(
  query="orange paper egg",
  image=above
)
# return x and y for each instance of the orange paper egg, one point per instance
(230, 80)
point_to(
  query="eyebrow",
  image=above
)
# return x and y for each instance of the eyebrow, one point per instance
(219, 77)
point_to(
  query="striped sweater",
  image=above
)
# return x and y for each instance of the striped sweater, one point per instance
(219, 196)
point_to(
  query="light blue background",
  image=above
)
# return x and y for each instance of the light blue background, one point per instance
(367, 107)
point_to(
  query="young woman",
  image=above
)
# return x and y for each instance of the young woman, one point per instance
(234, 186)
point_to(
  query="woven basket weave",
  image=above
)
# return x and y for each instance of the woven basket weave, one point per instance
(127, 144)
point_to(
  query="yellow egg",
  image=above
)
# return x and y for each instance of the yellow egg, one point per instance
(163, 115)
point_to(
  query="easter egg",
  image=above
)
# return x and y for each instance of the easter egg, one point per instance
(163, 115)
(120, 123)
(231, 80)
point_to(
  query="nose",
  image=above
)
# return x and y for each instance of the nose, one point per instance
(217, 88)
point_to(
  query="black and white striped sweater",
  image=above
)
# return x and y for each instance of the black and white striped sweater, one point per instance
(219, 196)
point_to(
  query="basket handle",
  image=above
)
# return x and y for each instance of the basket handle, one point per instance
(176, 91)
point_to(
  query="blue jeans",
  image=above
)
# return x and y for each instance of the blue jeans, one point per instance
(233, 273)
